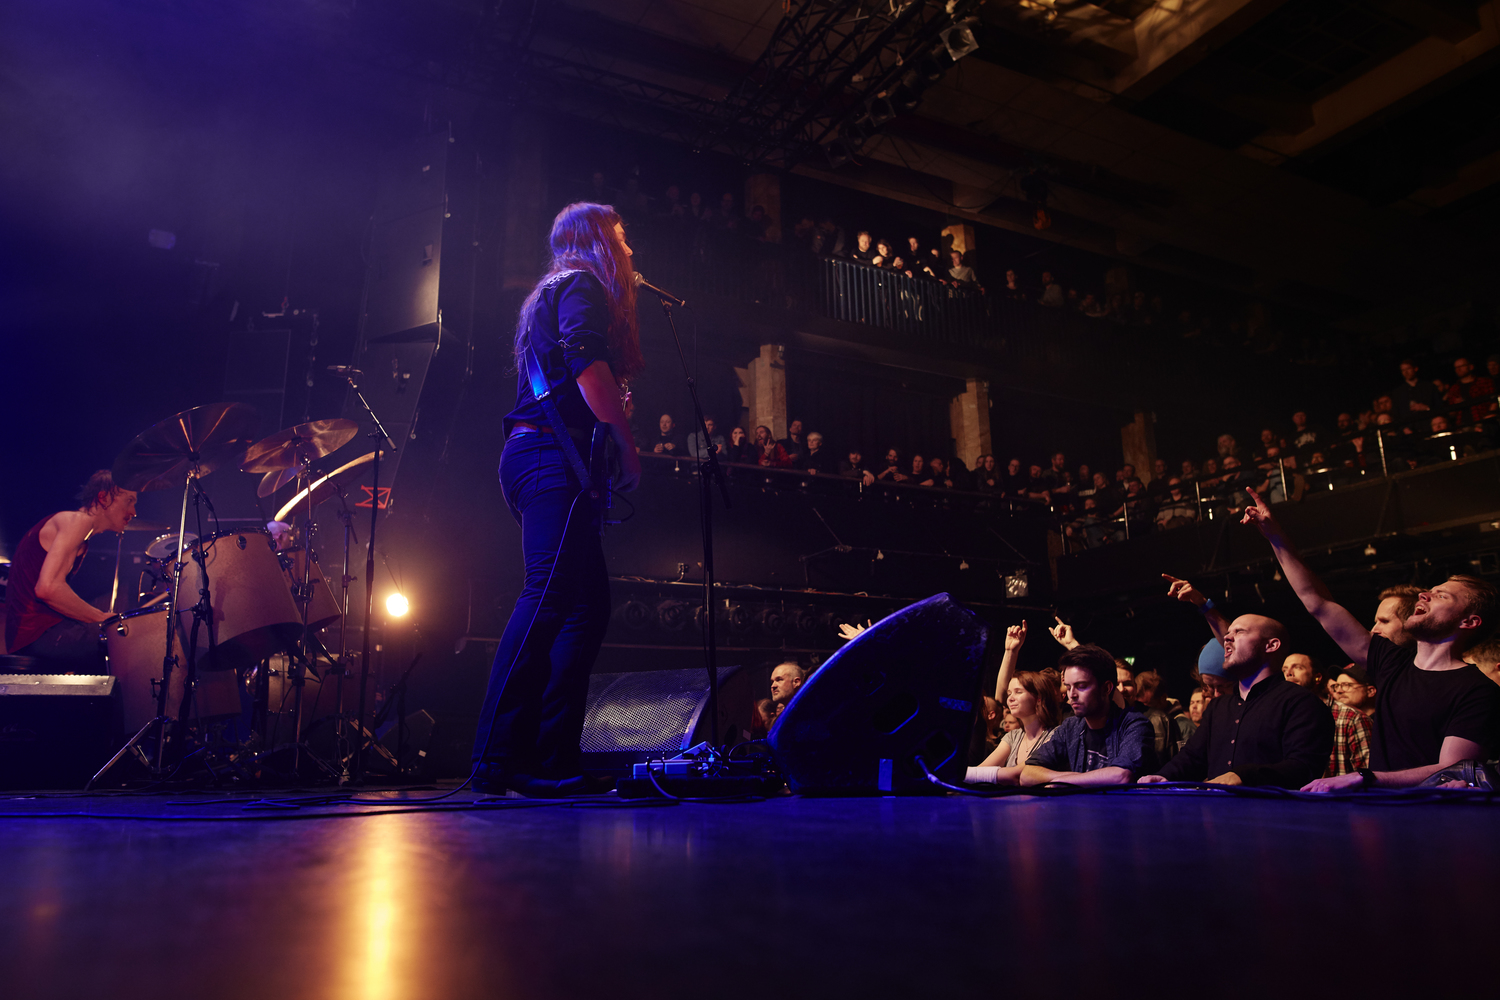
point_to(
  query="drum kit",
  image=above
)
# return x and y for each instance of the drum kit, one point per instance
(261, 595)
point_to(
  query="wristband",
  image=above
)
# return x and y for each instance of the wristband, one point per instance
(1206, 606)
(1367, 778)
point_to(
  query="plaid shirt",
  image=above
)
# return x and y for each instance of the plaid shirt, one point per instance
(1351, 741)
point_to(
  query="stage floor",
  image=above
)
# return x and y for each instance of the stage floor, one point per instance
(1184, 894)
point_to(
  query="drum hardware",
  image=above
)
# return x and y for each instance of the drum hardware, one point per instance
(191, 444)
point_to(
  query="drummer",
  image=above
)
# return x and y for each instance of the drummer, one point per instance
(44, 617)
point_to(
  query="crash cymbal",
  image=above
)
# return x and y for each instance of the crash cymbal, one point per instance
(287, 449)
(328, 486)
(205, 437)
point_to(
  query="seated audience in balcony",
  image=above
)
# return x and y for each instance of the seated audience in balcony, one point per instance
(1226, 445)
(1472, 397)
(987, 475)
(1093, 307)
(1106, 495)
(1056, 475)
(1347, 446)
(1052, 292)
(741, 450)
(727, 217)
(884, 256)
(963, 479)
(960, 275)
(1089, 527)
(1036, 486)
(1175, 509)
(1279, 482)
(793, 443)
(758, 224)
(923, 263)
(671, 205)
(1083, 479)
(669, 441)
(893, 471)
(698, 211)
(864, 248)
(1208, 479)
(1414, 397)
(937, 474)
(1233, 483)
(1304, 438)
(768, 451)
(917, 471)
(1013, 479)
(1268, 441)
(699, 448)
(854, 467)
(1188, 471)
(1013, 288)
(1157, 487)
(1432, 709)
(816, 459)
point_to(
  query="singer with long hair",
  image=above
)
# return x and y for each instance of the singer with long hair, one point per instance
(580, 322)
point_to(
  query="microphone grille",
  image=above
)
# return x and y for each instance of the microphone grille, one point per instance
(638, 278)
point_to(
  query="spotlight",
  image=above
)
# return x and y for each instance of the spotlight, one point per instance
(1016, 585)
(397, 605)
(958, 41)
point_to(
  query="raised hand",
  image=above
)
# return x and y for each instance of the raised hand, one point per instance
(1259, 514)
(1063, 633)
(1182, 590)
(1015, 636)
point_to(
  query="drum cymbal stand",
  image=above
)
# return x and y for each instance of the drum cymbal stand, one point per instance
(169, 658)
(340, 743)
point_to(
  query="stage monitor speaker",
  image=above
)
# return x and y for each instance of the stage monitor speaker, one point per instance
(56, 730)
(902, 689)
(648, 714)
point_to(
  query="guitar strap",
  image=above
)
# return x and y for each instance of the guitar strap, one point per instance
(542, 390)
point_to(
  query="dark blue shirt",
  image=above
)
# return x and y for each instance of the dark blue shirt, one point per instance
(1126, 740)
(570, 331)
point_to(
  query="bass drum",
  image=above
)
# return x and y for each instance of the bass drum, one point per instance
(254, 614)
(136, 645)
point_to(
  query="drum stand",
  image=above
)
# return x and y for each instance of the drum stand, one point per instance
(202, 612)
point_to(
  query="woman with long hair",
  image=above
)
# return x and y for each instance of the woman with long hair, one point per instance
(579, 325)
(1036, 702)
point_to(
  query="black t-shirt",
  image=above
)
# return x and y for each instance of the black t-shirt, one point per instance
(1415, 710)
(570, 332)
(1093, 746)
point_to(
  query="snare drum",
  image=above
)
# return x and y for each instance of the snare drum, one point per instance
(137, 645)
(254, 614)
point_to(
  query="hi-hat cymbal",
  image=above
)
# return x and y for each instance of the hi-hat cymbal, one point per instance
(329, 486)
(205, 437)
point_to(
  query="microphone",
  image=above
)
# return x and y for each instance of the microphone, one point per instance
(345, 370)
(667, 297)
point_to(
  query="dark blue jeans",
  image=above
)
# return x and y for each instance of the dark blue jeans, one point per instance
(533, 710)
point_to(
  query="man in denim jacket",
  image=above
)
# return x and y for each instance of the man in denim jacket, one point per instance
(1102, 744)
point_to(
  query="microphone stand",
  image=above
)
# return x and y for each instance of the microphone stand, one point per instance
(383, 439)
(709, 472)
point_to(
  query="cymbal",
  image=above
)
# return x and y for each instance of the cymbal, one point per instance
(205, 437)
(166, 545)
(287, 449)
(328, 486)
(136, 524)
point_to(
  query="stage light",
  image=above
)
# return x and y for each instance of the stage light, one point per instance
(959, 41)
(396, 606)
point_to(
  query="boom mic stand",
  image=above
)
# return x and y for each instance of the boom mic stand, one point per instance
(709, 472)
(381, 437)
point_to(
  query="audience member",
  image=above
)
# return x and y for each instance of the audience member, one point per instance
(793, 443)
(768, 451)
(987, 475)
(938, 474)
(1432, 709)
(1353, 706)
(669, 441)
(1197, 702)
(816, 459)
(786, 680)
(1486, 656)
(1101, 744)
(958, 272)
(853, 467)
(917, 472)
(1265, 731)
(699, 448)
(864, 248)
(740, 449)
(1304, 671)
(1033, 701)
(1473, 395)
(893, 471)
(1414, 397)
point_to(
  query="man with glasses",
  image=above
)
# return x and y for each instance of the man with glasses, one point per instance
(1353, 707)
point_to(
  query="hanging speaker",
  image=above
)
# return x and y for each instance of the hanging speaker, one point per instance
(902, 689)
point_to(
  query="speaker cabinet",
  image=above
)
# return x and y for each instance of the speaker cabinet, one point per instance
(904, 688)
(56, 730)
(648, 714)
